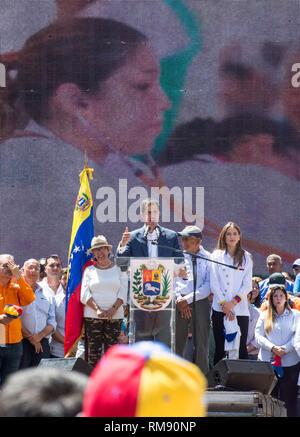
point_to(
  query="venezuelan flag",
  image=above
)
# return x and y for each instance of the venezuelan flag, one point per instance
(78, 259)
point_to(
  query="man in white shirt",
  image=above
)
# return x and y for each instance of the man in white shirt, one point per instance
(192, 299)
(38, 319)
(51, 283)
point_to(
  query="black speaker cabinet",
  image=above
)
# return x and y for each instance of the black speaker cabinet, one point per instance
(76, 364)
(243, 375)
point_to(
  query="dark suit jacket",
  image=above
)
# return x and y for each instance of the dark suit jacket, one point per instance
(138, 246)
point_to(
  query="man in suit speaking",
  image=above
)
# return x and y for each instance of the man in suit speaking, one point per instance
(139, 243)
(151, 240)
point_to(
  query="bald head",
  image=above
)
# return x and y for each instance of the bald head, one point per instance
(31, 271)
(5, 272)
(5, 256)
(30, 261)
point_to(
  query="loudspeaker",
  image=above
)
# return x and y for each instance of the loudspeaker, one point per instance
(243, 375)
(76, 364)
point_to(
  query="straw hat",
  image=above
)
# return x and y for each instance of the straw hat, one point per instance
(99, 241)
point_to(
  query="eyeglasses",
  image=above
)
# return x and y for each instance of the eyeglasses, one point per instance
(37, 269)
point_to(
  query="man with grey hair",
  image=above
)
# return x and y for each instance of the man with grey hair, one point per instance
(274, 265)
(192, 298)
(38, 319)
(14, 290)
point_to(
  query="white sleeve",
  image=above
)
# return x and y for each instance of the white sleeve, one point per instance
(260, 335)
(246, 285)
(85, 292)
(215, 284)
(296, 342)
(123, 291)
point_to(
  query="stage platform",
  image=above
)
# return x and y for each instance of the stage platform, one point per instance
(224, 403)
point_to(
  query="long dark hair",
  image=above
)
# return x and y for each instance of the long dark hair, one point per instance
(239, 251)
(83, 51)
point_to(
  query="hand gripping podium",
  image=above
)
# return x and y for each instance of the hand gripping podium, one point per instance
(151, 300)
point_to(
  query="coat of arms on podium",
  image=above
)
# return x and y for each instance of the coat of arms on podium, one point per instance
(151, 283)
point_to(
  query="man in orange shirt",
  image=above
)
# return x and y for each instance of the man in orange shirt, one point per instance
(13, 291)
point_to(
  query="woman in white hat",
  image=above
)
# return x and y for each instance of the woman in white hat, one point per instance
(103, 292)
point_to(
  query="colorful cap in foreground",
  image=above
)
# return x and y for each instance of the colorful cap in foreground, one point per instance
(144, 380)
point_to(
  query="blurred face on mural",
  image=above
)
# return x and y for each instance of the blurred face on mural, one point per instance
(128, 110)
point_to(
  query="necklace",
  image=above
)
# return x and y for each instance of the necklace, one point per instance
(105, 266)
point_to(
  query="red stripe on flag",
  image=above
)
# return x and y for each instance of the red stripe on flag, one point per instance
(74, 317)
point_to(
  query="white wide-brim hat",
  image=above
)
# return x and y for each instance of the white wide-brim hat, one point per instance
(99, 241)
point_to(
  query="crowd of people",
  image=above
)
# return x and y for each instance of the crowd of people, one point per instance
(222, 309)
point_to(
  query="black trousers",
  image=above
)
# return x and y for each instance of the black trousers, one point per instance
(218, 328)
(286, 389)
(30, 358)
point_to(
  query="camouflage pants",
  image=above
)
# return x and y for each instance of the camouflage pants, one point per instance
(99, 333)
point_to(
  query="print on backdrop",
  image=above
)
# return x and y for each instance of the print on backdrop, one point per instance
(224, 119)
(2, 76)
(58, 126)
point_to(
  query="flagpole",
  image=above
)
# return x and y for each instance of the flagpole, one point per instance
(81, 236)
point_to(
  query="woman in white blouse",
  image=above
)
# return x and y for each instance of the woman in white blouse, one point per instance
(103, 292)
(230, 288)
(275, 333)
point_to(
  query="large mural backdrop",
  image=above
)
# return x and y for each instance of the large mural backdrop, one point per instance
(197, 101)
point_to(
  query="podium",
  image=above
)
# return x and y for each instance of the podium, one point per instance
(150, 297)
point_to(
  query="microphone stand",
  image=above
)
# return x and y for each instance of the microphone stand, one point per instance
(196, 256)
(194, 265)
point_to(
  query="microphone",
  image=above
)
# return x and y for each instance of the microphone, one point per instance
(147, 230)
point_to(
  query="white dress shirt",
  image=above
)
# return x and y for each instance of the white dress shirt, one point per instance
(152, 248)
(282, 334)
(44, 284)
(186, 287)
(57, 348)
(254, 314)
(40, 313)
(226, 283)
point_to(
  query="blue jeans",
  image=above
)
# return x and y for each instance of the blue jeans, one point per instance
(10, 359)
